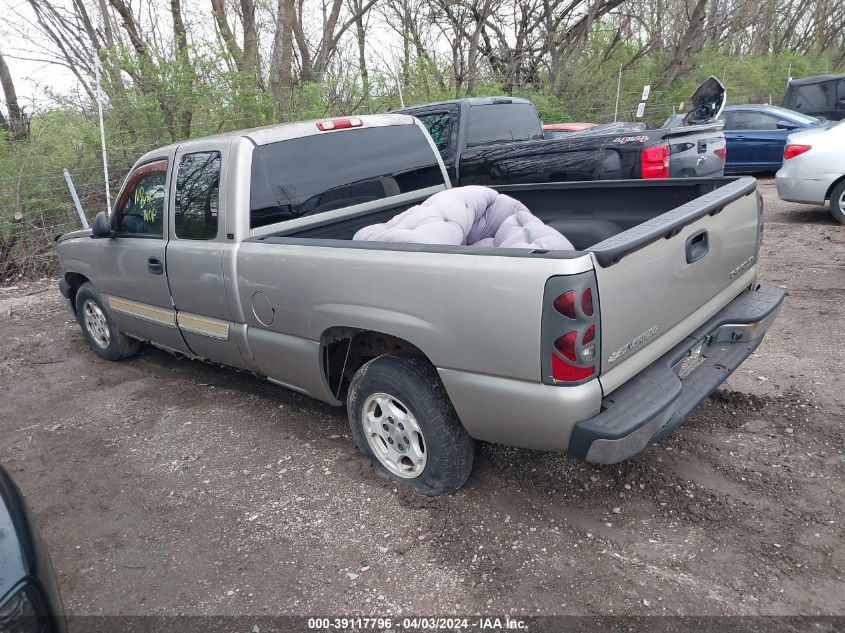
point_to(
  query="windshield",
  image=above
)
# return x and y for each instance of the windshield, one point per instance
(499, 122)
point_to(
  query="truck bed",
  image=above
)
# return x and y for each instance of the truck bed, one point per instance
(588, 214)
(633, 234)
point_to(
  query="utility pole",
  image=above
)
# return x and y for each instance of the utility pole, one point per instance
(98, 93)
(618, 88)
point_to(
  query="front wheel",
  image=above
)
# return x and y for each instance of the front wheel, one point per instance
(99, 329)
(402, 420)
(837, 202)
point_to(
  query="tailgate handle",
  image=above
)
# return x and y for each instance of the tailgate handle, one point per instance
(697, 246)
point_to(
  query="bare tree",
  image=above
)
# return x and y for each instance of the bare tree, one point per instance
(690, 42)
(17, 122)
(281, 71)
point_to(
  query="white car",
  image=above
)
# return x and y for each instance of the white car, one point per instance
(814, 168)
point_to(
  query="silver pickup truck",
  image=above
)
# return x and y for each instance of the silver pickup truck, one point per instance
(238, 249)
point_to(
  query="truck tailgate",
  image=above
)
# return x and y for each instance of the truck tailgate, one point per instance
(661, 279)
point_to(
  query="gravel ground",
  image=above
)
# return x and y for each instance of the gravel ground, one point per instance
(166, 486)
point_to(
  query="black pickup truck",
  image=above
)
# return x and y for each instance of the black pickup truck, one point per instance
(499, 140)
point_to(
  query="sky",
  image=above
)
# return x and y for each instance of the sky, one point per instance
(36, 80)
(33, 79)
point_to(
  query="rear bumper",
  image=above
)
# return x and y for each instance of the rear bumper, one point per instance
(791, 186)
(655, 402)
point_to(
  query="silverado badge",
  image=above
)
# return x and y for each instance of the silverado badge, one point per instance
(627, 347)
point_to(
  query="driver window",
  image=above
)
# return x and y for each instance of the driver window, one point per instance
(140, 211)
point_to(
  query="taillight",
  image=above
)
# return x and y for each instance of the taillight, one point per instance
(570, 329)
(564, 372)
(565, 304)
(654, 162)
(587, 302)
(566, 345)
(722, 153)
(339, 124)
(791, 151)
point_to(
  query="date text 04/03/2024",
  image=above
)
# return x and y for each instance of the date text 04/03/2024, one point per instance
(417, 623)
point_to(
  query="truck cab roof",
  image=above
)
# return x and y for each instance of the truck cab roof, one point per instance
(818, 79)
(276, 132)
(470, 101)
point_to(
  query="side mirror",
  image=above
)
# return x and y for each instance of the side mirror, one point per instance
(101, 228)
(786, 125)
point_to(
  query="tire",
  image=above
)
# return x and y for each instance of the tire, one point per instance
(431, 451)
(98, 328)
(837, 202)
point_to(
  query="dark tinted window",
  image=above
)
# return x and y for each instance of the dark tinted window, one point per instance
(503, 122)
(143, 212)
(439, 126)
(751, 121)
(197, 196)
(313, 174)
(552, 134)
(813, 97)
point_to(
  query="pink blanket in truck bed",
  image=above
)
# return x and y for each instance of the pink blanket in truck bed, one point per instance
(468, 216)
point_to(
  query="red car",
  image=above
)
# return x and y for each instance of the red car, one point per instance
(559, 130)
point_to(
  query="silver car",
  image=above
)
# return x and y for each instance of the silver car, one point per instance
(814, 168)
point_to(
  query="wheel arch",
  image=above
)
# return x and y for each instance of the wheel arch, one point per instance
(344, 350)
(74, 281)
(833, 186)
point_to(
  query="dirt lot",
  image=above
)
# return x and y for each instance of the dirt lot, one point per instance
(168, 486)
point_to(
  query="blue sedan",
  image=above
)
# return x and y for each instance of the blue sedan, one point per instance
(756, 135)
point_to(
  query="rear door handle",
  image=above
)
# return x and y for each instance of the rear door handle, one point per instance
(697, 246)
(155, 266)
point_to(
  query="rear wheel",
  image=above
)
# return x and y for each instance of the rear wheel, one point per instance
(402, 420)
(837, 202)
(100, 331)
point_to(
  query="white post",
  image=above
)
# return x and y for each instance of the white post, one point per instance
(99, 96)
(789, 74)
(618, 88)
(75, 199)
(399, 86)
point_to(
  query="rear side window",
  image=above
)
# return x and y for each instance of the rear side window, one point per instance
(439, 126)
(813, 97)
(197, 196)
(503, 122)
(314, 174)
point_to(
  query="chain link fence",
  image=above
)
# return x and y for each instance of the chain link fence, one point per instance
(36, 206)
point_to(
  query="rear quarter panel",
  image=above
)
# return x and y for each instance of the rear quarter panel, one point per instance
(465, 312)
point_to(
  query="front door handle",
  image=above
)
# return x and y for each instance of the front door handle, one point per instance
(155, 266)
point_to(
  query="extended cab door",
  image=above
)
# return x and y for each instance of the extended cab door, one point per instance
(196, 250)
(131, 267)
